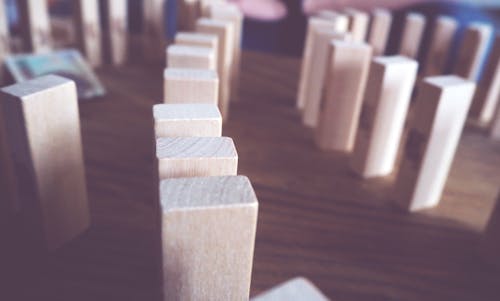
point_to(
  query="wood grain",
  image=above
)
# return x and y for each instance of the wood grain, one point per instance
(413, 32)
(440, 46)
(88, 30)
(187, 85)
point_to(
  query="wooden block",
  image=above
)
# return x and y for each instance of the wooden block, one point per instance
(439, 49)
(345, 85)
(35, 25)
(358, 24)
(187, 120)
(196, 157)
(180, 56)
(206, 4)
(155, 34)
(43, 134)
(385, 107)
(473, 50)
(88, 27)
(488, 91)
(379, 30)
(190, 86)
(296, 289)
(413, 32)
(188, 12)
(495, 127)
(4, 39)
(117, 36)
(199, 40)
(208, 237)
(441, 109)
(340, 22)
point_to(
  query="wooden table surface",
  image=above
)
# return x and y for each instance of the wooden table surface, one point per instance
(316, 219)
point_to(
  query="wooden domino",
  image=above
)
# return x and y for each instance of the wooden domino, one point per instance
(440, 46)
(208, 237)
(116, 34)
(197, 39)
(43, 135)
(155, 35)
(413, 32)
(344, 89)
(495, 127)
(88, 29)
(188, 12)
(187, 120)
(385, 107)
(186, 85)
(296, 289)
(340, 22)
(358, 24)
(441, 106)
(196, 157)
(4, 39)
(180, 56)
(35, 25)
(490, 243)
(379, 30)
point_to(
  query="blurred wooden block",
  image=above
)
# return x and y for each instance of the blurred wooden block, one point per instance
(495, 127)
(188, 12)
(344, 89)
(379, 30)
(487, 94)
(35, 25)
(385, 107)
(339, 21)
(194, 57)
(413, 32)
(190, 86)
(358, 24)
(187, 120)
(472, 51)
(88, 27)
(491, 243)
(296, 289)
(206, 4)
(4, 40)
(116, 40)
(196, 157)
(197, 39)
(441, 110)
(155, 34)
(208, 237)
(440, 45)
(43, 135)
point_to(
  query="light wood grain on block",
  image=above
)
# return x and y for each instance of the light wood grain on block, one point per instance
(380, 28)
(154, 25)
(117, 31)
(412, 35)
(385, 107)
(441, 110)
(189, 12)
(439, 49)
(190, 86)
(472, 50)
(35, 25)
(358, 24)
(4, 39)
(195, 57)
(344, 89)
(495, 127)
(208, 237)
(196, 157)
(296, 289)
(88, 28)
(187, 120)
(491, 244)
(43, 134)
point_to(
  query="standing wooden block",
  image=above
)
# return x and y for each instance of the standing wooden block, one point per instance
(206, 4)
(197, 39)
(488, 92)
(296, 289)
(43, 135)
(187, 120)
(117, 37)
(89, 30)
(358, 24)
(196, 157)
(339, 21)
(440, 45)
(411, 38)
(379, 30)
(208, 237)
(190, 86)
(155, 33)
(180, 56)
(441, 109)
(345, 85)
(4, 39)
(495, 127)
(473, 50)
(35, 25)
(385, 107)
(189, 12)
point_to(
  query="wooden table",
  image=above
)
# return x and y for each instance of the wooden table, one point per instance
(317, 219)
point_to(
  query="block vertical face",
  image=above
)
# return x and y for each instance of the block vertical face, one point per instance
(189, 12)
(208, 233)
(379, 31)
(296, 289)
(180, 56)
(412, 35)
(358, 24)
(35, 25)
(190, 86)
(198, 39)
(154, 29)
(117, 31)
(439, 49)
(89, 30)
(4, 38)
(441, 108)
(49, 172)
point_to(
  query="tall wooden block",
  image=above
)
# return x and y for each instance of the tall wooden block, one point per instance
(116, 35)
(88, 29)
(385, 107)
(190, 86)
(441, 109)
(473, 50)
(379, 30)
(344, 88)
(208, 237)
(180, 56)
(358, 24)
(197, 39)
(339, 21)
(196, 157)
(206, 4)
(189, 12)
(440, 45)
(154, 24)
(35, 25)
(411, 38)
(4, 39)
(296, 289)
(491, 243)
(187, 120)
(495, 127)
(42, 130)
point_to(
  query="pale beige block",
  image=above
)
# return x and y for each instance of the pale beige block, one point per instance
(194, 57)
(187, 120)
(490, 242)
(206, 4)
(4, 39)
(208, 237)
(472, 51)
(358, 24)
(386, 102)
(495, 127)
(88, 29)
(379, 30)
(413, 32)
(117, 32)
(199, 40)
(440, 45)
(296, 289)
(35, 25)
(155, 35)
(344, 89)
(196, 157)
(188, 12)
(43, 134)
(441, 109)
(190, 86)
(339, 21)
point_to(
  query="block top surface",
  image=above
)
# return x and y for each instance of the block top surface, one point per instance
(186, 112)
(36, 85)
(381, 12)
(296, 289)
(446, 20)
(415, 17)
(225, 9)
(190, 50)
(448, 81)
(206, 192)
(213, 22)
(352, 45)
(195, 36)
(394, 60)
(195, 147)
(190, 73)
(483, 28)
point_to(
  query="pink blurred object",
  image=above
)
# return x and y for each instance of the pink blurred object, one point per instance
(312, 6)
(265, 10)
